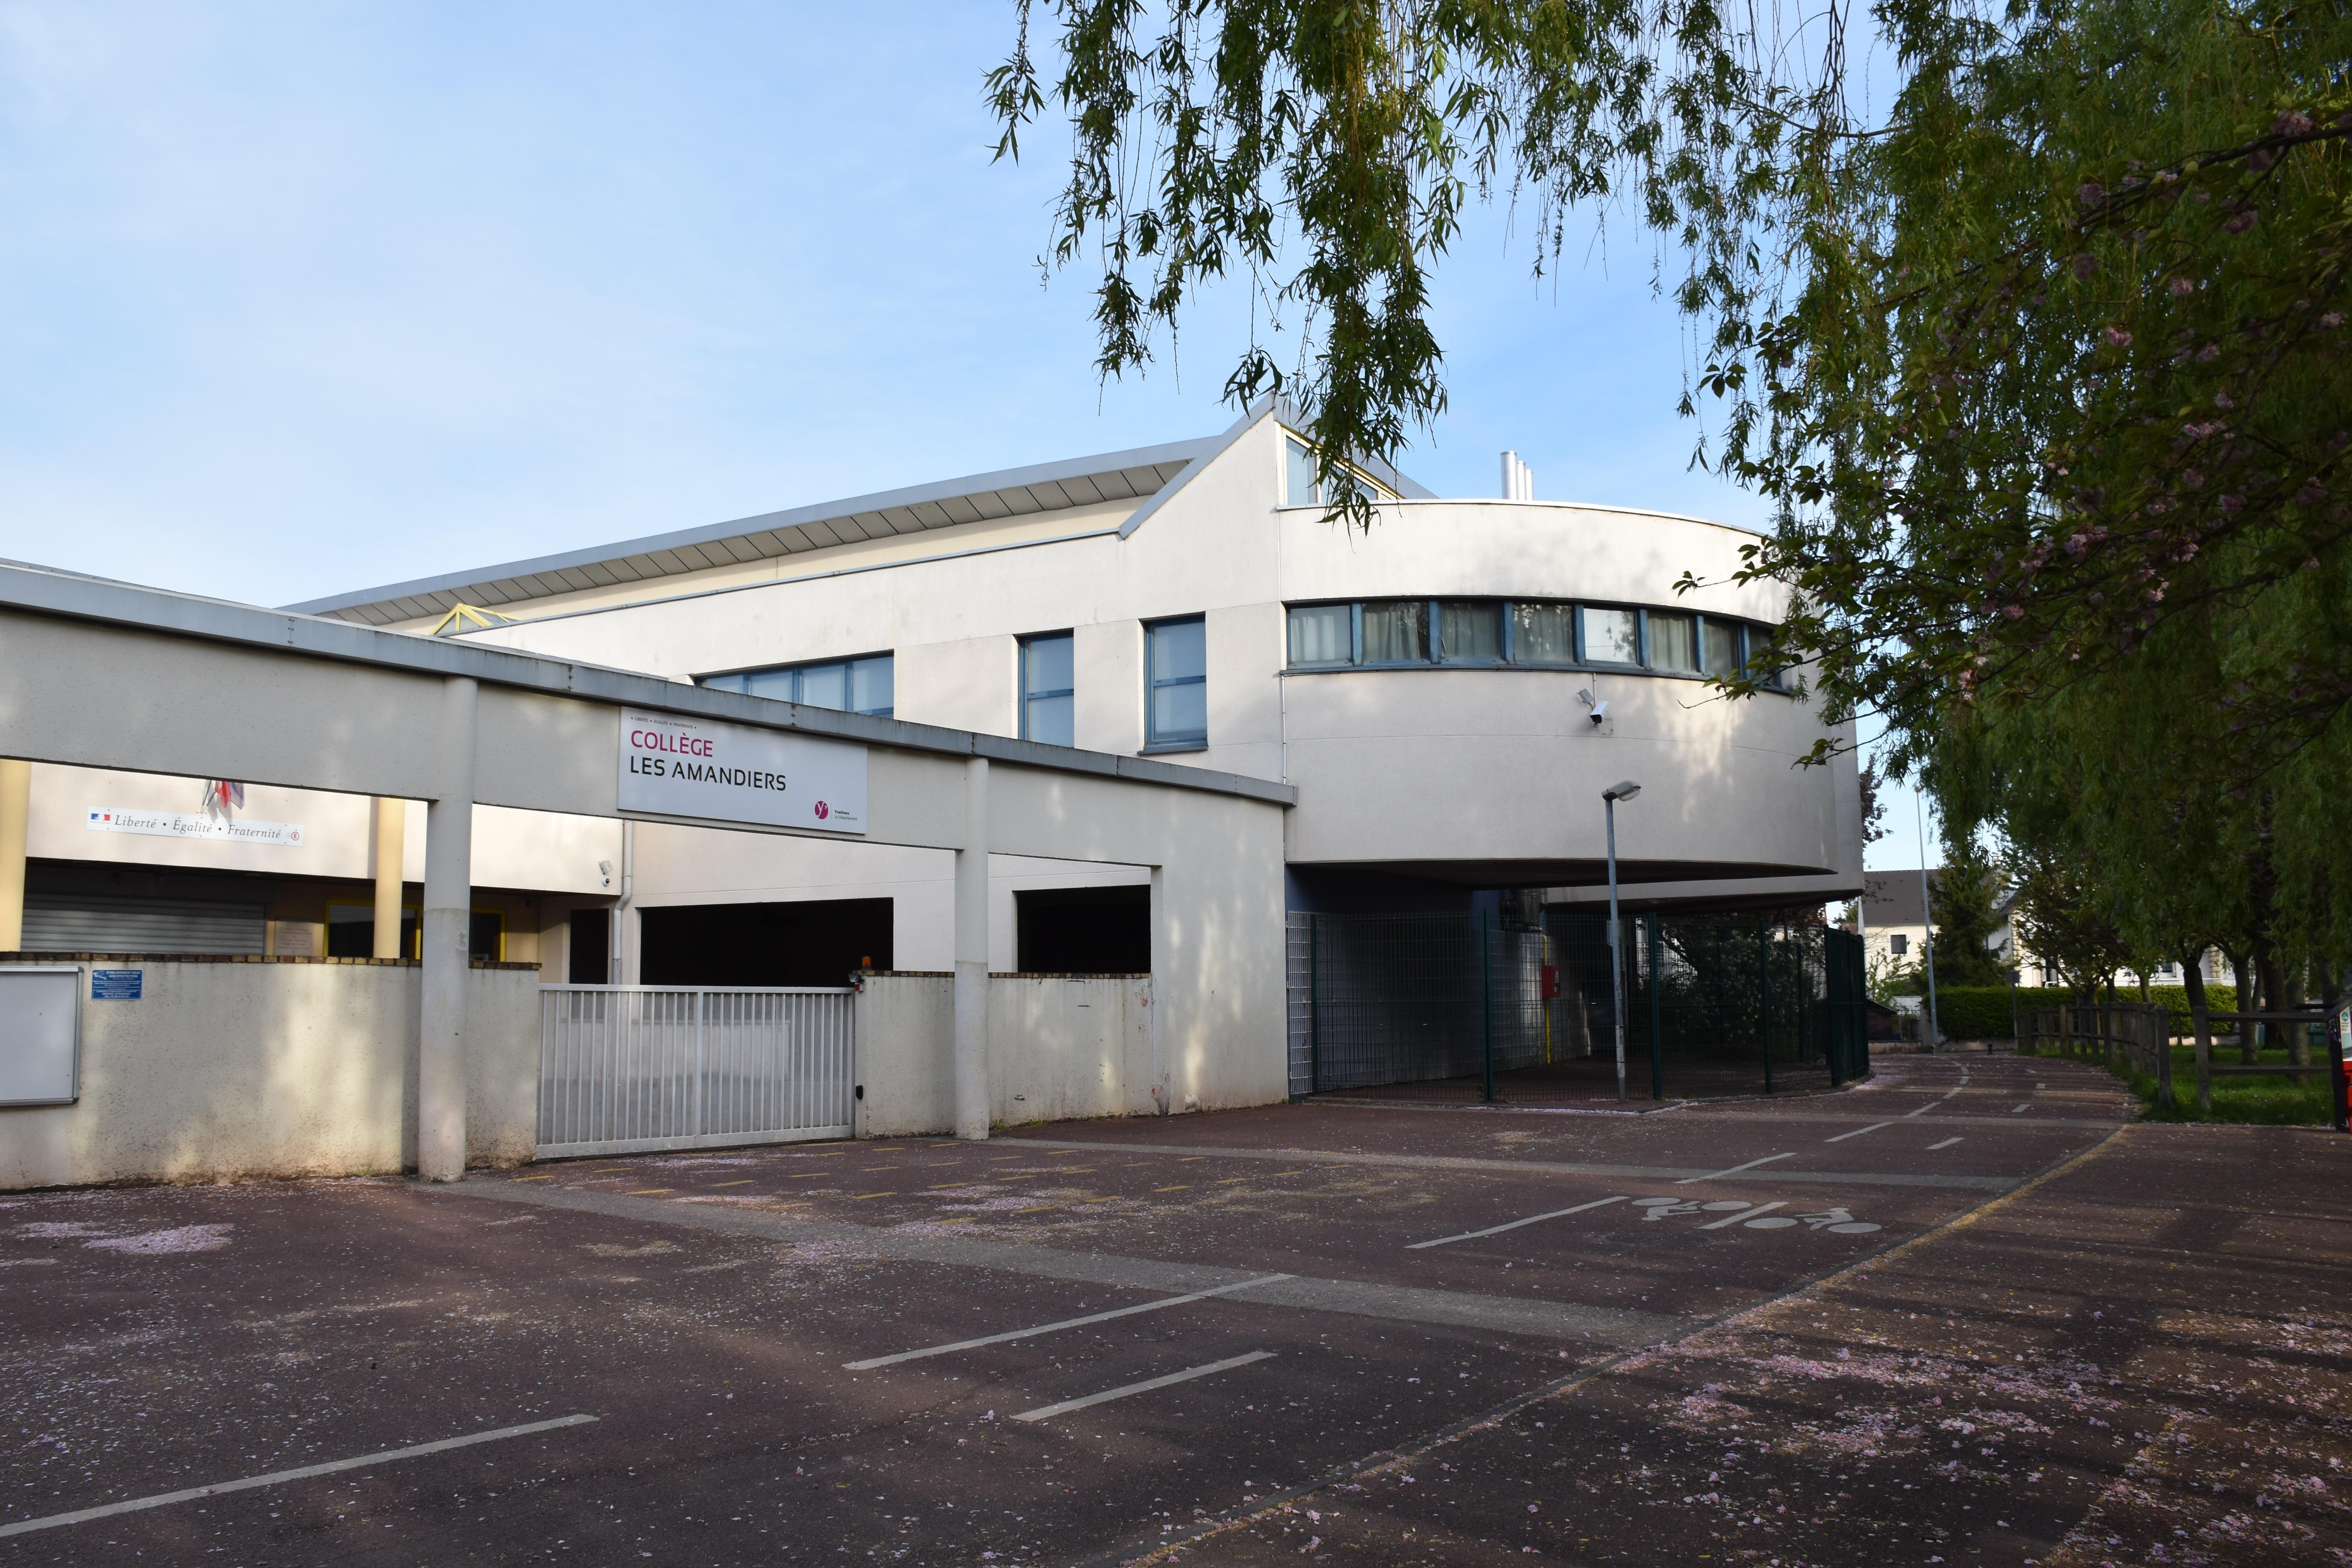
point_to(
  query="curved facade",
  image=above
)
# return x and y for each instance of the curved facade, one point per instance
(1429, 687)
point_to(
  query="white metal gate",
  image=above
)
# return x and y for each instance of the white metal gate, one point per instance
(637, 1066)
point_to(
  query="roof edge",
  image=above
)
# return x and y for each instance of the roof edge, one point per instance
(911, 495)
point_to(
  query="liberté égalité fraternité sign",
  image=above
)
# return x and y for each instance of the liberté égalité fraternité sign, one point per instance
(674, 766)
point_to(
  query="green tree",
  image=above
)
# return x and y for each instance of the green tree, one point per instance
(2043, 367)
(1963, 906)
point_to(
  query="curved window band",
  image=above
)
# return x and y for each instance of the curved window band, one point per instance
(1539, 634)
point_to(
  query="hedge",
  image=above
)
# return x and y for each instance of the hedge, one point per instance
(1982, 1012)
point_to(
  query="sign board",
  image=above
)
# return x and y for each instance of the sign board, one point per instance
(40, 1034)
(116, 984)
(674, 766)
(183, 824)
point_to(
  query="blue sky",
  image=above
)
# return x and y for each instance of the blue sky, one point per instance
(298, 299)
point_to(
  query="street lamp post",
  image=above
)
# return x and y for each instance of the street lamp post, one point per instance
(1608, 799)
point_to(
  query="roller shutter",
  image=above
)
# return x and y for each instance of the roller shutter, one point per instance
(91, 922)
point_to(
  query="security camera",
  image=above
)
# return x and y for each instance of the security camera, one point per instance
(1599, 713)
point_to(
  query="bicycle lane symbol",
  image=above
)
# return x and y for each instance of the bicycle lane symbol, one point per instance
(1838, 1219)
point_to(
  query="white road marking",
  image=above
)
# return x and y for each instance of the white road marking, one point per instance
(1945, 1145)
(276, 1478)
(1929, 1106)
(2014, 1110)
(1144, 1387)
(1857, 1132)
(1055, 1328)
(1744, 1214)
(1734, 1169)
(1498, 1229)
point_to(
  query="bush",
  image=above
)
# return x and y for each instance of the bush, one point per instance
(1982, 1012)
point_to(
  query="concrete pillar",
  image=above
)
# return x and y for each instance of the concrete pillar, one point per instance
(972, 956)
(15, 807)
(391, 848)
(449, 916)
(1163, 1086)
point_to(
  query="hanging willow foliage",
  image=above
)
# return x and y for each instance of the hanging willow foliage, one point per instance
(2042, 365)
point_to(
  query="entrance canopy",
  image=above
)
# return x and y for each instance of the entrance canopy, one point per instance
(108, 675)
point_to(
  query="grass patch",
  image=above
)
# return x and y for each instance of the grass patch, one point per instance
(2250, 1102)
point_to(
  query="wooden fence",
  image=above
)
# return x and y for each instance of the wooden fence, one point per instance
(2202, 1023)
(2141, 1034)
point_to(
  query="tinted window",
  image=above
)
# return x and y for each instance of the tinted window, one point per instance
(1322, 634)
(1396, 631)
(1722, 647)
(1047, 691)
(1177, 655)
(1609, 637)
(1674, 641)
(1542, 634)
(1470, 630)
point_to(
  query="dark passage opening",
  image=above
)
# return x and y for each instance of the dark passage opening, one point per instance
(1083, 931)
(592, 948)
(808, 943)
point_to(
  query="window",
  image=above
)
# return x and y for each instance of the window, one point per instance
(1542, 634)
(1176, 683)
(1674, 642)
(1724, 653)
(1322, 634)
(1609, 637)
(1898, 945)
(1469, 631)
(853, 685)
(1046, 687)
(1396, 631)
(1299, 486)
(1387, 633)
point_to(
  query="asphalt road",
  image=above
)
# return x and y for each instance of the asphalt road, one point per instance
(1072, 1344)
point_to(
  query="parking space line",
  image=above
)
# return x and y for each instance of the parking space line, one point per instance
(275, 1478)
(1498, 1229)
(1744, 1214)
(646, 1192)
(1929, 1106)
(1945, 1145)
(1179, 1187)
(1857, 1132)
(545, 1178)
(744, 1182)
(2016, 1109)
(1056, 1328)
(1107, 1396)
(1734, 1169)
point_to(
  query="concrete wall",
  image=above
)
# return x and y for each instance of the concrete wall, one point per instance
(1059, 1046)
(274, 1068)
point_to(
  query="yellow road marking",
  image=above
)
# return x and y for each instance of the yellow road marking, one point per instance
(863, 1197)
(644, 1191)
(1228, 1181)
(533, 1178)
(1041, 1208)
(1179, 1187)
(1190, 1158)
(1112, 1199)
(1290, 1172)
(744, 1182)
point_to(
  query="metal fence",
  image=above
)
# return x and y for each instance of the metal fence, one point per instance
(1481, 1006)
(629, 1068)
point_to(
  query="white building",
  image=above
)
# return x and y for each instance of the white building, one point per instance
(1449, 692)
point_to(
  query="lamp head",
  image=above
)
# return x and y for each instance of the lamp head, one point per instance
(1627, 790)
